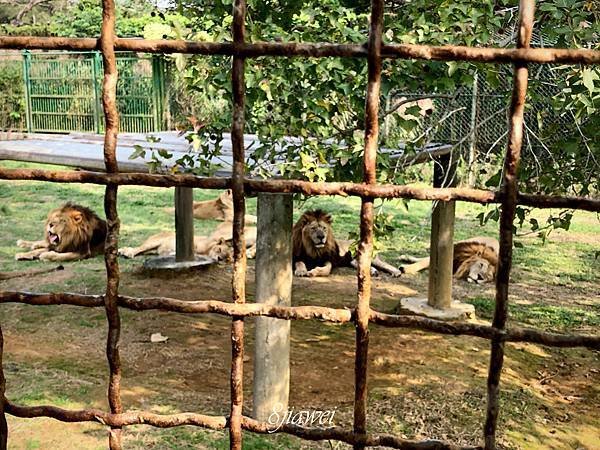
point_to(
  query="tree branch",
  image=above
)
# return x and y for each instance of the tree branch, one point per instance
(18, 20)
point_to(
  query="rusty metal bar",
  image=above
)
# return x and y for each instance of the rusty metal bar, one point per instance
(507, 217)
(481, 196)
(374, 51)
(316, 49)
(221, 422)
(3, 424)
(111, 126)
(365, 246)
(320, 313)
(239, 210)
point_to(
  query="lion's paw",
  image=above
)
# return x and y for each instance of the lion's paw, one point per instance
(49, 256)
(22, 244)
(301, 273)
(127, 252)
(22, 257)
(374, 272)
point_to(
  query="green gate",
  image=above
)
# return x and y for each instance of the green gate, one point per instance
(63, 92)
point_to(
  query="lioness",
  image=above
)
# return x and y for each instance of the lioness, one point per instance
(220, 208)
(216, 246)
(475, 260)
(316, 251)
(72, 232)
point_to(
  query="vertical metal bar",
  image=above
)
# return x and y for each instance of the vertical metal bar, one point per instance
(473, 139)
(111, 129)
(97, 110)
(27, 80)
(157, 107)
(365, 247)
(509, 192)
(3, 424)
(239, 243)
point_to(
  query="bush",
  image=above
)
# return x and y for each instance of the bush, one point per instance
(12, 100)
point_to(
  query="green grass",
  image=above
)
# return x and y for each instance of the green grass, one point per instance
(184, 438)
(143, 211)
(567, 265)
(541, 315)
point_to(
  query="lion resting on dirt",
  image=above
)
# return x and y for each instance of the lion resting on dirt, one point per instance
(72, 232)
(475, 260)
(315, 250)
(216, 246)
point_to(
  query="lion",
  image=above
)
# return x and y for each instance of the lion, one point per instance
(475, 260)
(316, 251)
(216, 246)
(72, 232)
(220, 208)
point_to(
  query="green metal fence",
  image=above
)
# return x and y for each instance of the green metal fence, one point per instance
(63, 92)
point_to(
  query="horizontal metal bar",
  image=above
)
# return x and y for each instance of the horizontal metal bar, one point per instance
(60, 79)
(48, 96)
(298, 186)
(257, 49)
(221, 423)
(66, 114)
(514, 334)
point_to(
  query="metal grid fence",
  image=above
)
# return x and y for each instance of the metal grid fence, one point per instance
(59, 92)
(362, 315)
(453, 118)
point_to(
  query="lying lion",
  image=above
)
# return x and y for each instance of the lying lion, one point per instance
(475, 260)
(72, 232)
(220, 208)
(216, 246)
(316, 251)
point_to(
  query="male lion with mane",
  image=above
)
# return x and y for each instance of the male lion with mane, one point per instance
(72, 232)
(316, 251)
(475, 260)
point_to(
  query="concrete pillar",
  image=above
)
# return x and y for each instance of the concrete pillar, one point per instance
(442, 237)
(184, 224)
(273, 287)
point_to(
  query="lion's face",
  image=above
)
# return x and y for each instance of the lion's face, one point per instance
(316, 232)
(221, 251)
(312, 236)
(61, 225)
(480, 271)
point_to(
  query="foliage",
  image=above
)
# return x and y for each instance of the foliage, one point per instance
(320, 102)
(12, 100)
(83, 18)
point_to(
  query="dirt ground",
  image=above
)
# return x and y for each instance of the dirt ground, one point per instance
(420, 384)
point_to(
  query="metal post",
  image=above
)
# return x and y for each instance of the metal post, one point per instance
(96, 63)
(156, 94)
(26, 70)
(184, 224)
(273, 287)
(473, 139)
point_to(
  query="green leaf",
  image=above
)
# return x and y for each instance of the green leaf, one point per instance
(588, 76)
(138, 152)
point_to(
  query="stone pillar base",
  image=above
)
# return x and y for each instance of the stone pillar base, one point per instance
(418, 306)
